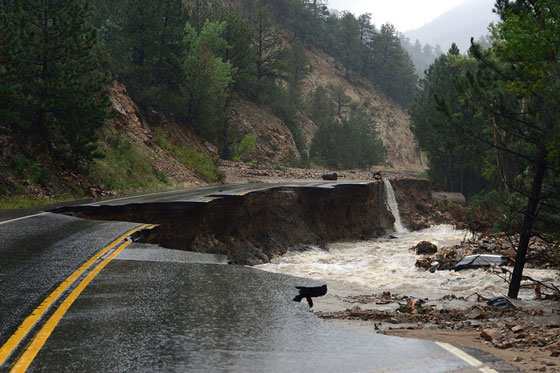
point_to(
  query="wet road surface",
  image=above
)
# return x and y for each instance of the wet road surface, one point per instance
(154, 309)
(157, 316)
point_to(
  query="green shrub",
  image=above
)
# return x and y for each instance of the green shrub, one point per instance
(20, 165)
(161, 140)
(200, 163)
(246, 146)
(39, 173)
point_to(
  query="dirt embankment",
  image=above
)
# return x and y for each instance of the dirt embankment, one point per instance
(256, 227)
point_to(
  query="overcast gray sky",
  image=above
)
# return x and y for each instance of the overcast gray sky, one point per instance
(404, 14)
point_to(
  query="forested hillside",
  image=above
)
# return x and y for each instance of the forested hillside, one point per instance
(213, 68)
(490, 122)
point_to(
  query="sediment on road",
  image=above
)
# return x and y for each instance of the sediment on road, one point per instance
(254, 228)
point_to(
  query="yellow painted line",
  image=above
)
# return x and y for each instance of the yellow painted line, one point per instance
(251, 191)
(32, 319)
(39, 340)
(466, 357)
(209, 199)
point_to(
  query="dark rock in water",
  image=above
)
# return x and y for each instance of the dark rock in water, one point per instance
(300, 248)
(330, 176)
(425, 248)
(481, 260)
(393, 237)
(424, 262)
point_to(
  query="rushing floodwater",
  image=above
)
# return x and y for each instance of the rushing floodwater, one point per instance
(392, 205)
(388, 265)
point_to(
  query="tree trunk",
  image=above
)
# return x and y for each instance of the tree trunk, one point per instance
(528, 222)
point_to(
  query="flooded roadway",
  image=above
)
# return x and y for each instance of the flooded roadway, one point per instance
(147, 316)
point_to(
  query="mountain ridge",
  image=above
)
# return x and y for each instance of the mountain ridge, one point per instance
(469, 19)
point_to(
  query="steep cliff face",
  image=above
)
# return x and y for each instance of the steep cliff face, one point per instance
(151, 135)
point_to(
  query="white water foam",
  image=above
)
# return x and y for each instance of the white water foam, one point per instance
(392, 205)
(389, 265)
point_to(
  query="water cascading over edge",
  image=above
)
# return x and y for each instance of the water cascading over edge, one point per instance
(392, 205)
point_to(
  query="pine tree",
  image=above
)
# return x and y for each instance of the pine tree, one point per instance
(58, 80)
(206, 79)
(339, 96)
(267, 43)
(516, 89)
(145, 39)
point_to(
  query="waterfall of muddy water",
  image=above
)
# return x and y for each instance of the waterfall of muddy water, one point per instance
(393, 206)
(388, 265)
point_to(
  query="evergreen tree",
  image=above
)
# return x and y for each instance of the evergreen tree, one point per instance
(267, 43)
(348, 42)
(339, 96)
(455, 163)
(362, 145)
(206, 79)
(54, 73)
(297, 63)
(145, 39)
(320, 105)
(516, 89)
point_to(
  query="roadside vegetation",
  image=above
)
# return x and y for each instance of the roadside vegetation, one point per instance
(490, 124)
(185, 60)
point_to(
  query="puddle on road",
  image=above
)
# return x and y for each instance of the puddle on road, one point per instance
(388, 265)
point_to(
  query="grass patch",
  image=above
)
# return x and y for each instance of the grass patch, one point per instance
(8, 203)
(201, 163)
(125, 168)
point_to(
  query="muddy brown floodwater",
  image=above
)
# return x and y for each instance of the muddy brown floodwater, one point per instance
(356, 271)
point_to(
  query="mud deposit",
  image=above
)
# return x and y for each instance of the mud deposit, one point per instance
(254, 228)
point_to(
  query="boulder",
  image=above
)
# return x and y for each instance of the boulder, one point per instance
(489, 334)
(425, 248)
(330, 176)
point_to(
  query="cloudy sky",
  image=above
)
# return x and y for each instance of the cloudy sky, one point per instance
(404, 14)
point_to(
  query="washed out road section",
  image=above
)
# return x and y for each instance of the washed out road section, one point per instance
(155, 316)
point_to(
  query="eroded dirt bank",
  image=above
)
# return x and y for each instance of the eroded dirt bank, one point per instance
(256, 227)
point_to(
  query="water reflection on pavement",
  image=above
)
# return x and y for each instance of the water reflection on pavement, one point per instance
(158, 316)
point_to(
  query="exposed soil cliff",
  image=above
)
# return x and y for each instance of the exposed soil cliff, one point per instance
(274, 139)
(139, 128)
(256, 227)
(394, 123)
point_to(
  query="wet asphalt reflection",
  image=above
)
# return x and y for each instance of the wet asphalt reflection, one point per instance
(147, 316)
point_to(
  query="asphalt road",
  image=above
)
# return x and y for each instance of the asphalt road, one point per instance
(75, 295)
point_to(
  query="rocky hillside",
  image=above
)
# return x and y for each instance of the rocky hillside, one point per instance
(275, 142)
(145, 150)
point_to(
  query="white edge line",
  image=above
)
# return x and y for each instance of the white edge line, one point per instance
(88, 204)
(23, 217)
(466, 357)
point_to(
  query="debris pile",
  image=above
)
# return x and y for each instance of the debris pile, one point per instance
(498, 321)
(542, 254)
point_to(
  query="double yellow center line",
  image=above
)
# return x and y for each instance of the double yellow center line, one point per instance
(41, 337)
